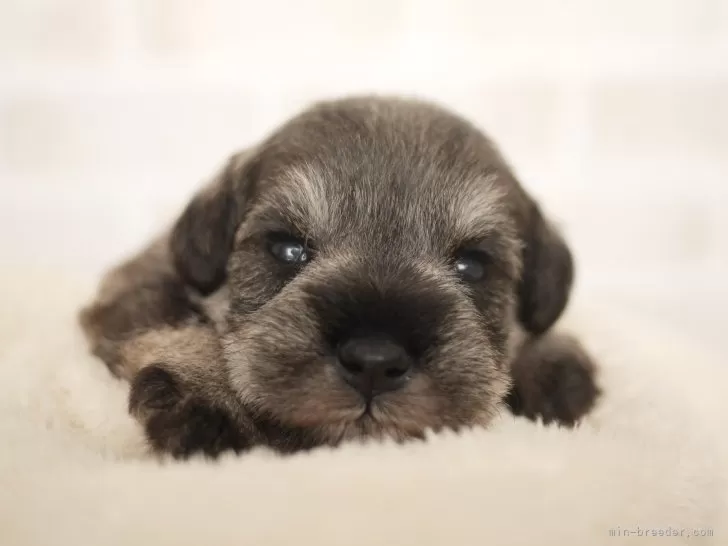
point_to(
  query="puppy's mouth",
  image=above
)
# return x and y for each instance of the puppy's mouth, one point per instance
(372, 424)
(383, 418)
(366, 414)
(370, 411)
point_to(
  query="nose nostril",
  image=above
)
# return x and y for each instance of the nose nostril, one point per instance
(394, 373)
(353, 367)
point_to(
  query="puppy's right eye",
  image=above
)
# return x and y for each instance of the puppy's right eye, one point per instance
(471, 265)
(288, 250)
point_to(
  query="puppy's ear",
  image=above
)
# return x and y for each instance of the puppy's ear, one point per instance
(548, 273)
(203, 236)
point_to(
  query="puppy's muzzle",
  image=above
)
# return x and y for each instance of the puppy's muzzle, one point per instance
(373, 364)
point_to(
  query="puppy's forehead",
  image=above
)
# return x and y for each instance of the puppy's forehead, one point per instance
(322, 203)
(423, 176)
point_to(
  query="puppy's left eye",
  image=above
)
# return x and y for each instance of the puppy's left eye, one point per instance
(471, 265)
(289, 251)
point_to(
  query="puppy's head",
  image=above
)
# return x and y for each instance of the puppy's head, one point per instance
(378, 255)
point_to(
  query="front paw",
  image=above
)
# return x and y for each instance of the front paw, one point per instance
(554, 380)
(178, 422)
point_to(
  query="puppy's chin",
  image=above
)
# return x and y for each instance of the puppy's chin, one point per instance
(379, 420)
(365, 422)
(323, 410)
(389, 416)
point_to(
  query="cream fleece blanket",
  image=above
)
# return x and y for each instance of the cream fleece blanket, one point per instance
(73, 468)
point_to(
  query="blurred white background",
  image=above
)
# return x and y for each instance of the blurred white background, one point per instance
(614, 113)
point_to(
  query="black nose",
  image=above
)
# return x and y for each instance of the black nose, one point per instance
(373, 364)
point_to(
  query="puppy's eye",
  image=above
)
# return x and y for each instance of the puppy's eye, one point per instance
(289, 250)
(471, 265)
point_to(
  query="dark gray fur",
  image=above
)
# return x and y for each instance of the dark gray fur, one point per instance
(227, 349)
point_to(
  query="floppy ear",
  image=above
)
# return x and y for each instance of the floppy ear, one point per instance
(203, 236)
(548, 273)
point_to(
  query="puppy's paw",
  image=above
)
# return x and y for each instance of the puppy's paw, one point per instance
(181, 423)
(554, 380)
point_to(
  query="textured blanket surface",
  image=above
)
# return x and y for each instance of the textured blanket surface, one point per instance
(648, 466)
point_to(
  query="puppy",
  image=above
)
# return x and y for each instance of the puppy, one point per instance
(373, 269)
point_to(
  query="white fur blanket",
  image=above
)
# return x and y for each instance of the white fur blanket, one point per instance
(73, 469)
